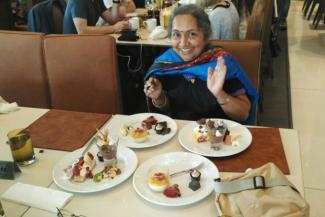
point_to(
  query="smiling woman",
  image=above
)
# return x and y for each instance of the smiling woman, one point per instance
(194, 80)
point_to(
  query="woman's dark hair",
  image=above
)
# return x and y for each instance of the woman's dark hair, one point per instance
(198, 13)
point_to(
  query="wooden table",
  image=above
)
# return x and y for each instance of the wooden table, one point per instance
(122, 200)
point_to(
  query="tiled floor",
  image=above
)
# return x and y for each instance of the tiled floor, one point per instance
(307, 71)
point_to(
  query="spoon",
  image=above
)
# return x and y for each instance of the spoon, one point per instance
(187, 170)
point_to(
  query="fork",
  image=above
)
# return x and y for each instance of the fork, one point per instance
(187, 170)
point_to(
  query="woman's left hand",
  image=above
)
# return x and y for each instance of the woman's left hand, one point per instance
(216, 77)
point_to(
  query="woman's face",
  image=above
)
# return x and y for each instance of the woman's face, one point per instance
(187, 39)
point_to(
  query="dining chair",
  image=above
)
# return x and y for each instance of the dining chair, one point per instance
(47, 17)
(22, 70)
(312, 8)
(259, 28)
(83, 73)
(320, 14)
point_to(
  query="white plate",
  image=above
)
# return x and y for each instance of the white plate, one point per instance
(153, 138)
(187, 140)
(176, 161)
(127, 162)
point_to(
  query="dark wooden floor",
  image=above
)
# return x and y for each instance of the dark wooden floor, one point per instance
(277, 100)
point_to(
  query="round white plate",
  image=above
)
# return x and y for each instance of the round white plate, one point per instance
(187, 140)
(176, 161)
(127, 162)
(153, 138)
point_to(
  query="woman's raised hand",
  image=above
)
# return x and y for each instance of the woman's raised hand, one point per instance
(152, 88)
(216, 77)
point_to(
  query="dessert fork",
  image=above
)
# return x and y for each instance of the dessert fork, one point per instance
(187, 170)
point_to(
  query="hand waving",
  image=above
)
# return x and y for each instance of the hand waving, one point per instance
(216, 77)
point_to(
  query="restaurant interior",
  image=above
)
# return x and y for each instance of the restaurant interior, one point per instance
(67, 92)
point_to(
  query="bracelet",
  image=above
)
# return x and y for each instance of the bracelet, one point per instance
(117, 1)
(225, 101)
(161, 105)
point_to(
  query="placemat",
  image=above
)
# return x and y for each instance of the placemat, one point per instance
(65, 130)
(266, 147)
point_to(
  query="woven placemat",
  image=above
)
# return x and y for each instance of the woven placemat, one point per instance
(65, 130)
(266, 147)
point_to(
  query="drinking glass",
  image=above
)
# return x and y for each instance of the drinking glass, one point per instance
(21, 147)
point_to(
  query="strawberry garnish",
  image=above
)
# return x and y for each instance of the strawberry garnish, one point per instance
(90, 155)
(172, 191)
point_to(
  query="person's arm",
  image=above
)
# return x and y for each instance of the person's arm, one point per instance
(236, 107)
(153, 90)
(83, 28)
(118, 10)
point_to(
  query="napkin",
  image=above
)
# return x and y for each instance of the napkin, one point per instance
(158, 33)
(35, 196)
(6, 107)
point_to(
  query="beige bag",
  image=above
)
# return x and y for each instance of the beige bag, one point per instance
(261, 192)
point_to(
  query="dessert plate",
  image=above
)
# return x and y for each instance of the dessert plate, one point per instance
(127, 162)
(176, 161)
(135, 120)
(187, 140)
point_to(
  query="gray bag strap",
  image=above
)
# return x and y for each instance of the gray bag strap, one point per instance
(257, 182)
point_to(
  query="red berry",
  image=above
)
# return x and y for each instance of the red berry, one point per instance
(91, 156)
(172, 191)
(76, 171)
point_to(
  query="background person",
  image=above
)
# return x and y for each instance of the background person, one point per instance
(283, 7)
(224, 20)
(81, 16)
(128, 6)
(193, 80)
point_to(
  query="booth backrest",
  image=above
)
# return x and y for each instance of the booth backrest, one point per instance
(248, 54)
(22, 69)
(83, 73)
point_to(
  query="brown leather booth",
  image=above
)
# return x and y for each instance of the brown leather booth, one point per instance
(22, 69)
(248, 54)
(82, 73)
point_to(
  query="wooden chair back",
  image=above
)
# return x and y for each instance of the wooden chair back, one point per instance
(83, 73)
(22, 70)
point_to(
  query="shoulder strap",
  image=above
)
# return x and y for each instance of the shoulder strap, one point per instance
(257, 182)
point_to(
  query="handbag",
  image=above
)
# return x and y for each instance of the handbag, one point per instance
(261, 192)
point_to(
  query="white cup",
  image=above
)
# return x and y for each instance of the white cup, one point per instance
(134, 22)
(150, 24)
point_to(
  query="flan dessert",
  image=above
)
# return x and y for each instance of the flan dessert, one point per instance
(158, 181)
(139, 134)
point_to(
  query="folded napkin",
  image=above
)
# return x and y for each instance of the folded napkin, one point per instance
(35, 196)
(6, 107)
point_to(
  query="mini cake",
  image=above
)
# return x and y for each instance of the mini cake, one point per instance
(125, 129)
(201, 133)
(149, 122)
(89, 161)
(139, 134)
(161, 128)
(158, 181)
(195, 180)
(216, 139)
